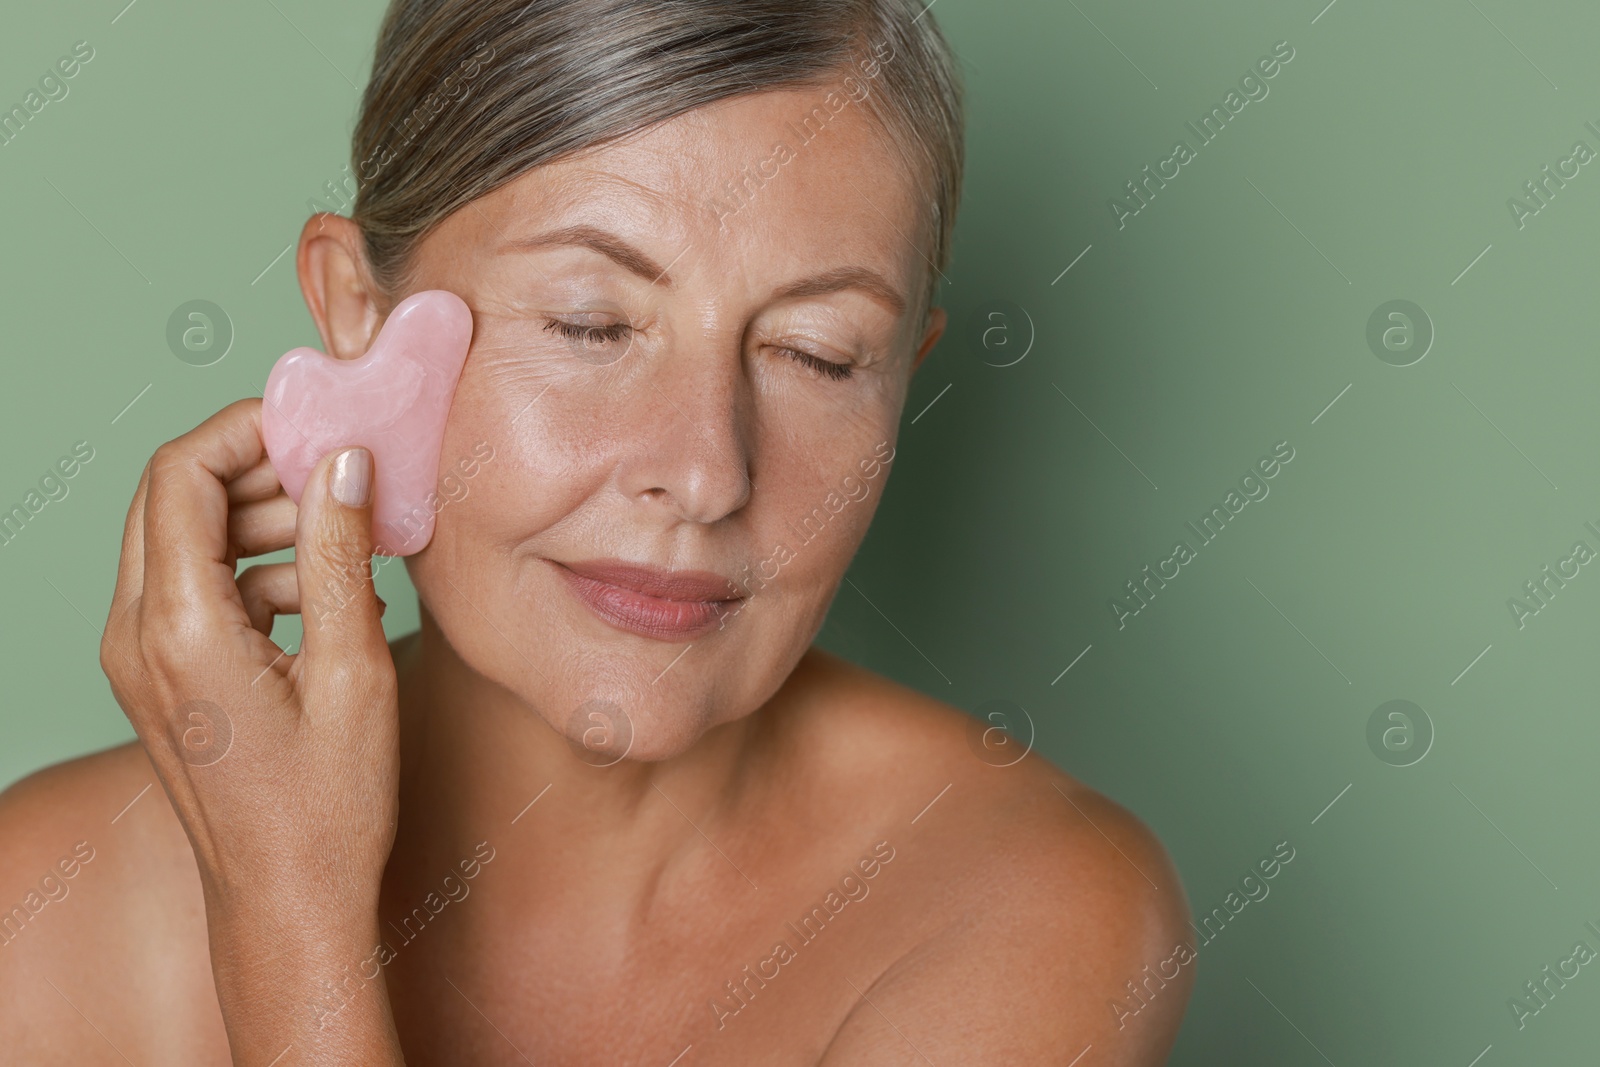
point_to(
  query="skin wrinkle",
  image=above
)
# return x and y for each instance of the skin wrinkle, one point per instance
(619, 905)
(597, 178)
(772, 380)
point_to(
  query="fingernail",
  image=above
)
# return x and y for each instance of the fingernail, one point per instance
(352, 478)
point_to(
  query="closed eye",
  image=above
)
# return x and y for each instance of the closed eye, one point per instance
(826, 367)
(594, 336)
(587, 334)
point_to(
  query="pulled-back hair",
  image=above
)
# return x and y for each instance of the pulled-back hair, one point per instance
(467, 95)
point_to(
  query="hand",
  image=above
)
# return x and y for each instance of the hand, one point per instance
(282, 768)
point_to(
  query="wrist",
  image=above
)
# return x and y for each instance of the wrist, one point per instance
(315, 982)
(251, 938)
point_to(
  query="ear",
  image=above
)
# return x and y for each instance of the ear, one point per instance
(339, 293)
(936, 324)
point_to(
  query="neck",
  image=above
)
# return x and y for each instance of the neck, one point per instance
(478, 763)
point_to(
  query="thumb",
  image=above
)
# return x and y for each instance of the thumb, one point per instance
(333, 568)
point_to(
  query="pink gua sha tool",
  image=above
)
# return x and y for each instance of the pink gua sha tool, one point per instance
(393, 401)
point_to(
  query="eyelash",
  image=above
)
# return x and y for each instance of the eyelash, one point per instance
(827, 368)
(617, 331)
(589, 334)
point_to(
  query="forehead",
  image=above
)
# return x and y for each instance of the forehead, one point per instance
(780, 182)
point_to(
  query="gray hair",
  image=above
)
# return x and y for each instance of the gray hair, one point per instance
(467, 95)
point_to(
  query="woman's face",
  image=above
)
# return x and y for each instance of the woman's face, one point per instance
(691, 351)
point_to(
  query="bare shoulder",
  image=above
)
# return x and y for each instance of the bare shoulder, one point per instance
(102, 925)
(1053, 902)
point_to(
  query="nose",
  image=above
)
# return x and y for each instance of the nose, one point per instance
(691, 440)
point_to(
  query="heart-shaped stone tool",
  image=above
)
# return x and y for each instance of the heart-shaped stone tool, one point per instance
(393, 401)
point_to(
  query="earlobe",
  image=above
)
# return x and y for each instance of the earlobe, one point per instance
(937, 319)
(335, 283)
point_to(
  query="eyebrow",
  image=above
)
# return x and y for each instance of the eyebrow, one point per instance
(625, 255)
(609, 245)
(842, 279)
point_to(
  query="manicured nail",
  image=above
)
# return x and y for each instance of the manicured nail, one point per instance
(352, 478)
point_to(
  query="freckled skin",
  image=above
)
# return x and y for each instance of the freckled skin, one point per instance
(654, 456)
(620, 904)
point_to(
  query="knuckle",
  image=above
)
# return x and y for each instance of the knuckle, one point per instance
(169, 456)
(251, 578)
(115, 660)
(341, 554)
(111, 664)
(176, 645)
(341, 677)
(342, 526)
(346, 564)
(347, 680)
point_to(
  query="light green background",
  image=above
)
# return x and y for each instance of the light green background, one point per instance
(1221, 320)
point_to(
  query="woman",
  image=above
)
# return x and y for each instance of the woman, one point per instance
(607, 805)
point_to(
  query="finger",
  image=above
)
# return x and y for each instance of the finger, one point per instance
(336, 595)
(130, 565)
(261, 526)
(333, 548)
(258, 483)
(269, 590)
(119, 639)
(186, 568)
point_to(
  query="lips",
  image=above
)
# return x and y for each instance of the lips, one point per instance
(649, 601)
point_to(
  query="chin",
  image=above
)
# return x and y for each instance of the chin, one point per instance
(603, 731)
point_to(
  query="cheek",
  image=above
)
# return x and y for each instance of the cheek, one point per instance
(815, 441)
(566, 438)
(814, 502)
(564, 442)
(532, 484)
(540, 429)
